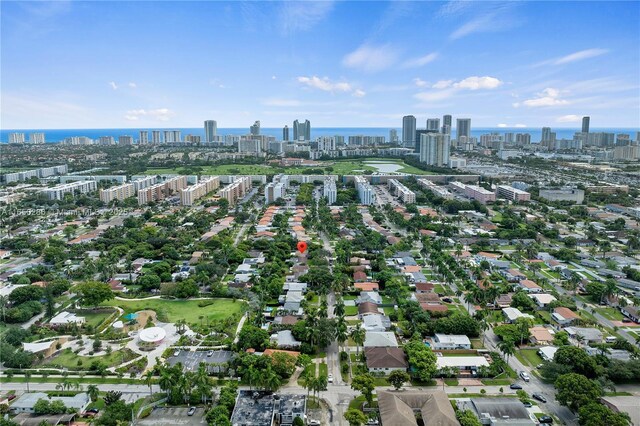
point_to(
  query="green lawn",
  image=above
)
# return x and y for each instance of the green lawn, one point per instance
(350, 310)
(324, 369)
(530, 356)
(68, 359)
(610, 313)
(173, 310)
(94, 319)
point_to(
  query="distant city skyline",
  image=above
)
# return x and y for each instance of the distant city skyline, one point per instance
(338, 64)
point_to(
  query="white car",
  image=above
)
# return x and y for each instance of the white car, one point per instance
(524, 376)
(330, 378)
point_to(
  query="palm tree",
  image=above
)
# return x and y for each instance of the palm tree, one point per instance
(148, 379)
(202, 381)
(4, 302)
(508, 348)
(580, 339)
(341, 331)
(358, 335)
(92, 391)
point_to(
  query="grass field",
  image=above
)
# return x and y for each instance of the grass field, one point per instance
(94, 319)
(610, 313)
(529, 356)
(340, 167)
(70, 360)
(174, 310)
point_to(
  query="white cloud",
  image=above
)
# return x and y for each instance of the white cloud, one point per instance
(419, 82)
(448, 88)
(578, 56)
(475, 83)
(571, 118)
(502, 125)
(371, 58)
(273, 77)
(281, 102)
(442, 84)
(303, 15)
(160, 114)
(452, 8)
(548, 97)
(133, 85)
(359, 93)
(420, 61)
(326, 85)
(493, 17)
(113, 85)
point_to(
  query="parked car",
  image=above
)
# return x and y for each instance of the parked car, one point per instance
(515, 386)
(524, 376)
(191, 411)
(93, 410)
(330, 378)
(539, 397)
(527, 404)
(447, 300)
(176, 353)
(546, 419)
(210, 353)
(313, 422)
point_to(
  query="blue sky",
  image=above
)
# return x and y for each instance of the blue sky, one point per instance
(338, 64)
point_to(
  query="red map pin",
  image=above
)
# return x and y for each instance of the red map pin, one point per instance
(302, 246)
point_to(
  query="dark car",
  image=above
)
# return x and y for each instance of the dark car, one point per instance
(93, 410)
(546, 419)
(447, 300)
(515, 386)
(527, 404)
(539, 397)
(191, 411)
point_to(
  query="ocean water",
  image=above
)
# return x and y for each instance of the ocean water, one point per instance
(57, 135)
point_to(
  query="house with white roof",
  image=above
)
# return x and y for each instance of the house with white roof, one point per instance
(380, 339)
(512, 314)
(450, 342)
(543, 300)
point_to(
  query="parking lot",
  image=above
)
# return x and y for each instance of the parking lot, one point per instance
(173, 416)
(191, 360)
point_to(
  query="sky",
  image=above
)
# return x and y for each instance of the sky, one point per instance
(339, 64)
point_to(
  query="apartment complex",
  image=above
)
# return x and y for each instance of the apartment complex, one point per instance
(57, 192)
(438, 190)
(480, 194)
(365, 191)
(236, 189)
(119, 192)
(513, 194)
(276, 189)
(162, 190)
(190, 194)
(330, 191)
(38, 173)
(399, 190)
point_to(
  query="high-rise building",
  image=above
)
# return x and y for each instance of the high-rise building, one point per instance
(172, 136)
(36, 138)
(255, 128)
(144, 137)
(210, 130)
(301, 131)
(508, 138)
(125, 140)
(433, 124)
(393, 136)
(330, 191)
(408, 131)
(366, 194)
(434, 149)
(446, 124)
(16, 137)
(585, 124)
(285, 133)
(419, 133)
(155, 137)
(106, 140)
(523, 139)
(463, 128)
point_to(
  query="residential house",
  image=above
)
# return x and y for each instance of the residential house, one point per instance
(385, 359)
(376, 323)
(380, 339)
(462, 363)
(564, 316)
(424, 288)
(367, 286)
(541, 336)
(369, 296)
(590, 335)
(359, 277)
(64, 318)
(368, 308)
(450, 342)
(512, 314)
(399, 408)
(543, 299)
(547, 353)
(26, 402)
(285, 339)
(631, 312)
(529, 286)
(504, 300)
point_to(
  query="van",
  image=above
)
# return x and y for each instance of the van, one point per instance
(611, 339)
